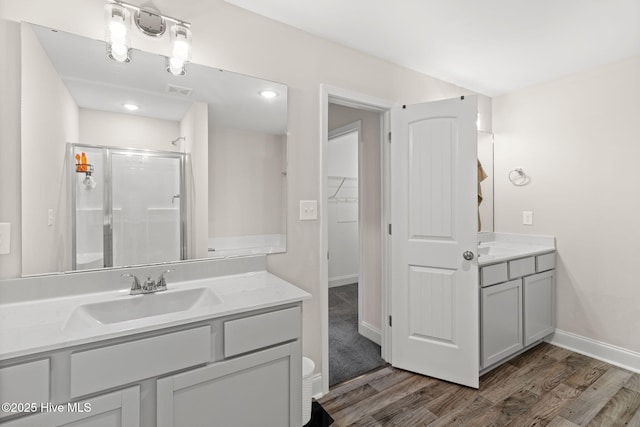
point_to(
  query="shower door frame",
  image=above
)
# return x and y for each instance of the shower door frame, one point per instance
(107, 197)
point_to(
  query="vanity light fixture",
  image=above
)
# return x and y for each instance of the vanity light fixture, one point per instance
(117, 29)
(149, 22)
(180, 49)
(268, 94)
(131, 107)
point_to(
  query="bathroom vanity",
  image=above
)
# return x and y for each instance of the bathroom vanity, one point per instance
(517, 294)
(217, 351)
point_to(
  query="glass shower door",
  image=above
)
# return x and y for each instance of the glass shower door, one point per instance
(146, 207)
(88, 179)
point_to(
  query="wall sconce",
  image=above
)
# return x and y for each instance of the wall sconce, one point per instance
(151, 23)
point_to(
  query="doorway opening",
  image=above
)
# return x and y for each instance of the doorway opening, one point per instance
(354, 343)
(353, 267)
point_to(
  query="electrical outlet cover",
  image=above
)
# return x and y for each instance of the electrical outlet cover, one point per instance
(308, 210)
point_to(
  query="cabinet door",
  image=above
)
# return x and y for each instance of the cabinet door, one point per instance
(539, 306)
(118, 409)
(259, 389)
(501, 321)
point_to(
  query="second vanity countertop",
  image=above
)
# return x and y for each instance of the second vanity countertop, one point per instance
(500, 247)
(44, 325)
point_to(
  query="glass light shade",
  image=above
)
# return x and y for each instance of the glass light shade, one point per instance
(117, 32)
(180, 42)
(176, 66)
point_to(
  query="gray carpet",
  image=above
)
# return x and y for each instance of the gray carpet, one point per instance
(350, 354)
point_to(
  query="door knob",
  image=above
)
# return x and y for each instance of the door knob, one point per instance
(468, 255)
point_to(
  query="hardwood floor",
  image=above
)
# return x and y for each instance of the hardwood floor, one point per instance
(547, 385)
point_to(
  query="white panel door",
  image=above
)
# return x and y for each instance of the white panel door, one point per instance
(434, 216)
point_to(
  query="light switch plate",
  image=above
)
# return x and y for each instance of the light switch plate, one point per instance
(527, 217)
(308, 210)
(5, 238)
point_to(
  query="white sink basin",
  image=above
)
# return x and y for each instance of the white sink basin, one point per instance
(134, 307)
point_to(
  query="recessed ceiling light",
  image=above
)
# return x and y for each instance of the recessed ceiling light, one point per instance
(131, 107)
(268, 94)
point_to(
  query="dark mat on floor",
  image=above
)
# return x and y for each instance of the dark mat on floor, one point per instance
(319, 417)
(350, 354)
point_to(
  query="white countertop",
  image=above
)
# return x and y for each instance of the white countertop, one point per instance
(500, 247)
(36, 326)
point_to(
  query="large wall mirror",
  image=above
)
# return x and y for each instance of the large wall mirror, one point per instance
(198, 170)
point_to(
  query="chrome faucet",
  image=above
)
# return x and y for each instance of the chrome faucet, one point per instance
(149, 286)
(161, 283)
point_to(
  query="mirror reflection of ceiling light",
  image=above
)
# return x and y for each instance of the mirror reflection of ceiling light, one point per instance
(131, 107)
(268, 94)
(151, 23)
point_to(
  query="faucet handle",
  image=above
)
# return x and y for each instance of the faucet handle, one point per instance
(135, 286)
(161, 282)
(149, 284)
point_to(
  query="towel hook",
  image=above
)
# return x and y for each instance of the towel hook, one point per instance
(518, 177)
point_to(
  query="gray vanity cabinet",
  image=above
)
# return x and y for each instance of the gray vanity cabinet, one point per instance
(253, 390)
(539, 306)
(501, 321)
(258, 382)
(116, 409)
(244, 369)
(517, 308)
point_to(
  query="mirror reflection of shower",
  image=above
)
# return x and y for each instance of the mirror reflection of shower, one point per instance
(177, 141)
(136, 211)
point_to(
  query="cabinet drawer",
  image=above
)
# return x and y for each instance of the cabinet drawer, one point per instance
(27, 382)
(546, 262)
(493, 274)
(263, 330)
(102, 368)
(522, 267)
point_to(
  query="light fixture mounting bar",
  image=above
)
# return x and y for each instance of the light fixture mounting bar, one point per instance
(138, 9)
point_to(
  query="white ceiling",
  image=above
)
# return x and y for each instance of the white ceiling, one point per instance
(490, 46)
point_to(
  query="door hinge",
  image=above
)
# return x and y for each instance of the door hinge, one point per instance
(390, 322)
(389, 229)
(327, 254)
(389, 136)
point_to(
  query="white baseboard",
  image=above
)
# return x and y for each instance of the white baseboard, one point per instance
(316, 386)
(370, 332)
(617, 356)
(343, 280)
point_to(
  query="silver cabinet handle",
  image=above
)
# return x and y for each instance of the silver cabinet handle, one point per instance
(468, 255)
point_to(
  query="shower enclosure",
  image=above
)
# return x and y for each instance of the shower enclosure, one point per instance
(128, 205)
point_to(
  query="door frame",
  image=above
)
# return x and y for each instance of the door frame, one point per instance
(348, 98)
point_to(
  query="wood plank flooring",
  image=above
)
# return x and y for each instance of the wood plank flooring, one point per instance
(546, 386)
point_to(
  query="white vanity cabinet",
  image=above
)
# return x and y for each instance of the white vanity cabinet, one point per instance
(517, 306)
